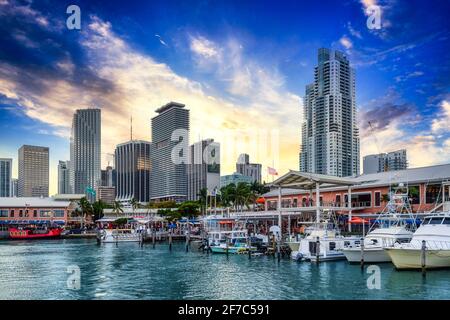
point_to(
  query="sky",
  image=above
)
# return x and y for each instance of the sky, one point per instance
(240, 67)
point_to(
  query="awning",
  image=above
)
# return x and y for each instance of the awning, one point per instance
(358, 220)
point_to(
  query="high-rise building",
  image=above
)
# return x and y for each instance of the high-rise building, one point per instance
(109, 177)
(244, 167)
(170, 135)
(235, 178)
(203, 168)
(33, 171)
(391, 161)
(133, 166)
(330, 136)
(64, 177)
(85, 151)
(5, 177)
(14, 187)
(106, 194)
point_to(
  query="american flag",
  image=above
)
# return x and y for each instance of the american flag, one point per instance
(272, 171)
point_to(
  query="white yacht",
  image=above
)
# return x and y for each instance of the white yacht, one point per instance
(322, 241)
(391, 226)
(119, 235)
(434, 233)
(375, 242)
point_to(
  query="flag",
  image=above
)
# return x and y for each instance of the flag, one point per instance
(272, 171)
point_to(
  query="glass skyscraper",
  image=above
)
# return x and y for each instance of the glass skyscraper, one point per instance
(85, 152)
(168, 178)
(5, 177)
(133, 165)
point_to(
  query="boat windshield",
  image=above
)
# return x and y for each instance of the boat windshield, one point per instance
(433, 220)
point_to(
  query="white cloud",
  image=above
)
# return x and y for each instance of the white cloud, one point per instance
(346, 42)
(442, 122)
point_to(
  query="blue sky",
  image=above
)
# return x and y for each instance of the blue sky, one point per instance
(235, 64)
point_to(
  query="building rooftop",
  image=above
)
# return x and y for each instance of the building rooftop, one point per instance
(168, 106)
(410, 176)
(32, 202)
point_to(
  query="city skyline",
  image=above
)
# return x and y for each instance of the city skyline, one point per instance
(249, 76)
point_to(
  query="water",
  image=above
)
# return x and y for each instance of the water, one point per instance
(38, 270)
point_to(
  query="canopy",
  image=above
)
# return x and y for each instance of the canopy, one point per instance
(358, 220)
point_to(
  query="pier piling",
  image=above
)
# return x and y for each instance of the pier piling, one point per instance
(248, 247)
(153, 237)
(170, 240)
(362, 253)
(317, 250)
(423, 258)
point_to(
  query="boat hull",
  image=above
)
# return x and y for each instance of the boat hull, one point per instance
(16, 234)
(403, 258)
(231, 250)
(371, 255)
(294, 246)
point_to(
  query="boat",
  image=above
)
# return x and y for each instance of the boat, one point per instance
(119, 235)
(395, 224)
(429, 247)
(227, 236)
(28, 233)
(375, 242)
(321, 243)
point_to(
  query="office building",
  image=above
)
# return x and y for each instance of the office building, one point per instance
(85, 151)
(391, 161)
(133, 166)
(64, 177)
(5, 177)
(14, 187)
(203, 168)
(244, 167)
(234, 178)
(106, 194)
(33, 171)
(170, 135)
(330, 136)
(108, 177)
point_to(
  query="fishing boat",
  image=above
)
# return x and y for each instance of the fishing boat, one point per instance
(322, 242)
(29, 233)
(429, 247)
(227, 236)
(395, 224)
(119, 235)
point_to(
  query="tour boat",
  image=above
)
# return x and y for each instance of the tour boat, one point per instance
(429, 247)
(119, 235)
(34, 233)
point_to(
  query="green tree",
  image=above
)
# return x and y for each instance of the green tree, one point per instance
(97, 209)
(134, 204)
(86, 209)
(117, 208)
(203, 199)
(189, 209)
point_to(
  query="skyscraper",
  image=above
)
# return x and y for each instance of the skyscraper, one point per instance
(109, 177)
(33, 171)
(396, 160)
(85, 151)
(203, 168)
(330, 136)
(5, 177)
(64, 177)
(133, 166)
(170, 130)
(244, 167)
(14, 187)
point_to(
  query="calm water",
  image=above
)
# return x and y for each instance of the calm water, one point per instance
(38, 270)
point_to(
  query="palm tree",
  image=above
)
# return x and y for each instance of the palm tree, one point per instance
(86, 209)
(242, 194)
(203, 199)
(97, 208)
(134, 204)
(117, 207)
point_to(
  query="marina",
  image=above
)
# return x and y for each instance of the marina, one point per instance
(39, 270)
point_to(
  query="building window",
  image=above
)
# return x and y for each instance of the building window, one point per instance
(11, 214)
(414, 194)
(58, 213)
(35, 213)
(338, 200)
(45, 213)
(4, 213)
(20, 213)
(377, 199)
(433, 193)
